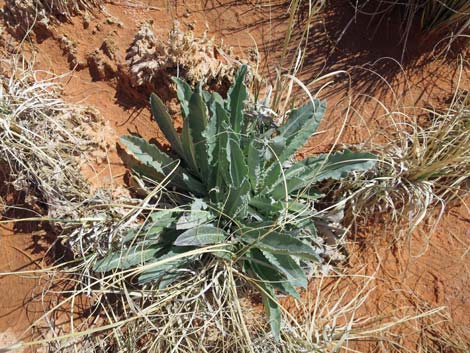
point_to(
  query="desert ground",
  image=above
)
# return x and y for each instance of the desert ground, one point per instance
(403, 285)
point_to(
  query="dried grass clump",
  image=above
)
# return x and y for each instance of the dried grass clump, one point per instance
(421, 166)
(44, 141)
(430, 15)
(182, 54)
(447, 18)
(41, 140)
(24, 15)
(213, 310)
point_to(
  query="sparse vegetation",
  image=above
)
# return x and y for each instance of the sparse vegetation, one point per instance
(226, 220)
(41, 141)
(421, 166)
(448, 18)
(235, 184)
(26, 15)
(438, 15)
(182, 54)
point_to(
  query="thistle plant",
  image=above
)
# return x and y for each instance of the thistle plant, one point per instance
(234, 187)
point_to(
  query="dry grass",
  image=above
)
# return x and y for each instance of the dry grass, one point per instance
(41, 140)
(448, 18)
(212, 309)
(23, 16)
(301, 15)
(421, 165)
(44, 142)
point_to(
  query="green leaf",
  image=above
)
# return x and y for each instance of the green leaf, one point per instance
(200, 236)
(327, 166)
(197, 121)
(126, 258)
(159, 220)
(206, 96)
(320, 167)
(193, 185)
(165, 123)
(216, 98)
(211, 137)
(287, 266)
(255, 161)
(225, 252)
(238, 167)
(195, 217)
(166, 273)
(279, 243)
(300, 126)
(220, 169)
(339, 164)
(159, 165)
(272, 176)
(267, 205)
(184, 93)
(223, 161)
(168, 236)
(236, 203)
(239, 185)
(149, 154)
(212, 131)
(275, 147)
(237, 95)
(307, 116)
(273, 309)
(280, 189)
(258, 264)
(189, 148)
(268, 273)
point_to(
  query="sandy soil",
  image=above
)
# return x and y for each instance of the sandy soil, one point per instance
(423, 273)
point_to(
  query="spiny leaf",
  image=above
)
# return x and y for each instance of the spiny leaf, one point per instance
(267, 205)
(339, 164)
(220, 177)
(236, 203)
(149, 154)
(238, 167)
(189, 148)
(165, 123)
(196, 216)
(287, 266)
(211, 137)
(206, 96)
(193, 185)
(239, 185)
(256, 263)
(320, 167)
(126, 258)
(161, 164)
(255, 163)
(159, 220)
(184, 93)
(166, 273)
(300, 126)
(310, 113)
(275, 147)
(237, 95)
(197, 121)
(273, 310)
(270, 274)
(200, 236)
(327, 166)
(279, 243)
